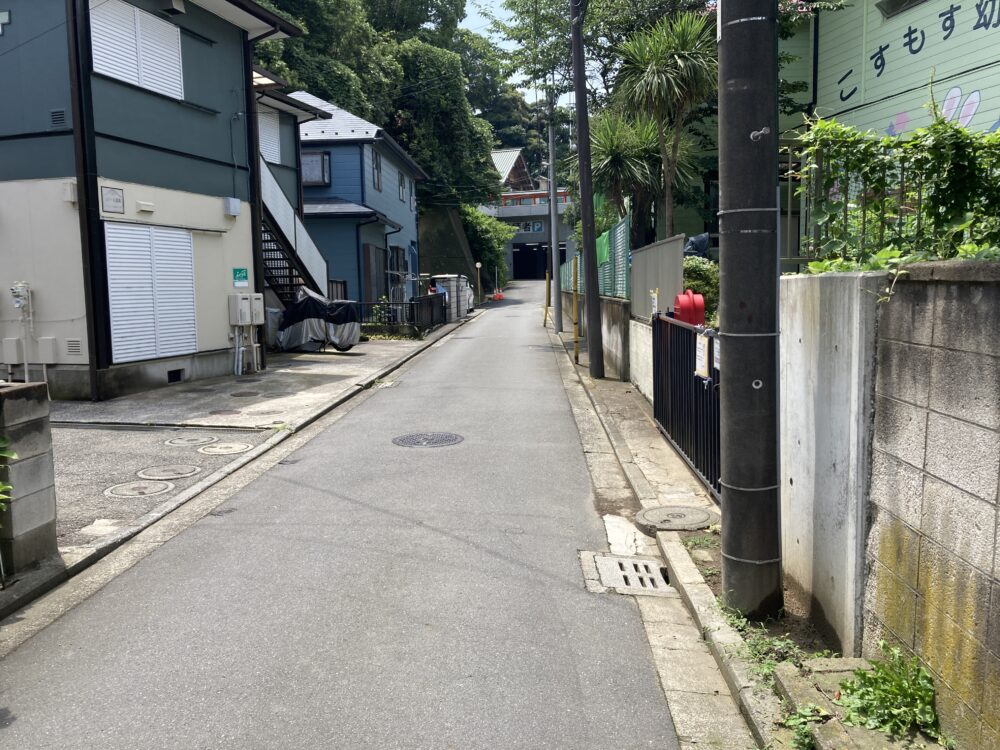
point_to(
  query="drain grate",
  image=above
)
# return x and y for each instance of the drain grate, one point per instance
(138, 489)
(428, 439)
(169, 471)
(674, 518)
(632, 575)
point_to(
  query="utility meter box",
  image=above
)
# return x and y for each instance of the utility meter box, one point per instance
(13, 351)
(240, 310)
(257, 309)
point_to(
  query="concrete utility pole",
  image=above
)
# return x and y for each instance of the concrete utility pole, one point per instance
(554, 217)
(748, 309)
(595, 342)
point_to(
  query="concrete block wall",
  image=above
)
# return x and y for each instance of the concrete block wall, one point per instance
(28, 526)
(615, 318)
(933, 550)
(640, 357)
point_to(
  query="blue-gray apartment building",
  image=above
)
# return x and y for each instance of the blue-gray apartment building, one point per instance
(360, 204)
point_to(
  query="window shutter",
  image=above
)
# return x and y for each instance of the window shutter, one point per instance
(130, 291)
(269, 134)
(160, 56)
(113, 38)
(151, 291)
(174, 307)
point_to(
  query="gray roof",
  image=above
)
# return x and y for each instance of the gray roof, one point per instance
(342, 125)
(337, 207)
(348, 128)
(504, 160)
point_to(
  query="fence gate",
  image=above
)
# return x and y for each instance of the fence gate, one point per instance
(685, 404)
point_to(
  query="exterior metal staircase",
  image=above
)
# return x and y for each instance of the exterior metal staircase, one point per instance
(283, 270)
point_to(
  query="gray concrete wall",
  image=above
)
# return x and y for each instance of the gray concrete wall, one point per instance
(640, 357)
(28, 525)
(934, 568)
(615, 329)
(827, 375)
(657, 266)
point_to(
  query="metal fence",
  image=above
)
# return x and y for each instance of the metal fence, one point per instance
(657, 267)
(423, 313)
(686, 405)
(614, 257)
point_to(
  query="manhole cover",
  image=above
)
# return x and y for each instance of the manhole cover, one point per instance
(191, 441)
(674, 518)
(143, 488)
(224, 449)
(244, 394)
(632, 575)
(224, 412)
(170, 471)
(428, 439)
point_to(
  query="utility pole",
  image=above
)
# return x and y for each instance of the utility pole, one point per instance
(595, 342)
(557, 314)
(748, 309)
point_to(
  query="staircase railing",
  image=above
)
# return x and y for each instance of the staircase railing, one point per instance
(288, 223)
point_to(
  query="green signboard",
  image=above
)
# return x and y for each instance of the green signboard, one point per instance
(241, 277)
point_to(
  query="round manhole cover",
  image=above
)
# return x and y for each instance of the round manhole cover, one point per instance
(191, 441)
(428, 439)
(143, 488)
(170, 471)
(244, 394)
(674, 518)
(224, 449)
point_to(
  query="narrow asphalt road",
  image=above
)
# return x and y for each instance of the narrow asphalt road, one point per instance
(366, 595)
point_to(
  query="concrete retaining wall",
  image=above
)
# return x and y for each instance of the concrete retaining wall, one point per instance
(934, 576)
(28, 526)
(827, 375)
(615, 317)
(640, 357)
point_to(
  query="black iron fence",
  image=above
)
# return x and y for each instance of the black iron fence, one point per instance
(686, 404)
(423, 313)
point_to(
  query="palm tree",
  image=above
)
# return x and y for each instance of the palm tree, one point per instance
(667, 72)
(620, 161)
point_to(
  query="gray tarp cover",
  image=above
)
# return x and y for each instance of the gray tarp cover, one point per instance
(314, 322)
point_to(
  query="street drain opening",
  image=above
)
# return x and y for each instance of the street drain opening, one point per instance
(633, 575)
(428, 439)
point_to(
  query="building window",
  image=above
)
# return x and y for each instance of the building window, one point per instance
(527, 201)
(376, 170)
(543, 201)
(402, 187)
(136, 47)
(413, 196)
(316, 168)
(269, 135)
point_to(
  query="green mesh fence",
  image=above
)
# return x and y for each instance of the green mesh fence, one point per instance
(613, 261)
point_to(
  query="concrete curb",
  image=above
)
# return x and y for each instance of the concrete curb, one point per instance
(758, 704)
(33, 584)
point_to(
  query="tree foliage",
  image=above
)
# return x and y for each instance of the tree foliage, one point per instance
(434, 21)
(488, 238)
(668, 72)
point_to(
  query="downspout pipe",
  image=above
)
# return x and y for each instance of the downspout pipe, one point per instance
(253, 164)
(93, 258)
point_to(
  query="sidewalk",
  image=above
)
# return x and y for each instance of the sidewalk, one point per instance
(632, 468)
(125, 463)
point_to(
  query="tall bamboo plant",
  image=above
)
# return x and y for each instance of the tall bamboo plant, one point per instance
(667, 72)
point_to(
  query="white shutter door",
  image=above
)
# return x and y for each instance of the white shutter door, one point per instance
(130, 291)
(160, 56)
(113, 38)
(173, 271)
(269, 135)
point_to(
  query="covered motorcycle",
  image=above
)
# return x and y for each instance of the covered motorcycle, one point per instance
(313, 322)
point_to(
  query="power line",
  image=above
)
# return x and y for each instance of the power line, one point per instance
(47, 31)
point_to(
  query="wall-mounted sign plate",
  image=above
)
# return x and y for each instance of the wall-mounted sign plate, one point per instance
(241, 277)
(112, 200)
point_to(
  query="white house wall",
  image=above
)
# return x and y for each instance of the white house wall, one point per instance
(40, 245)
(221, 243)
